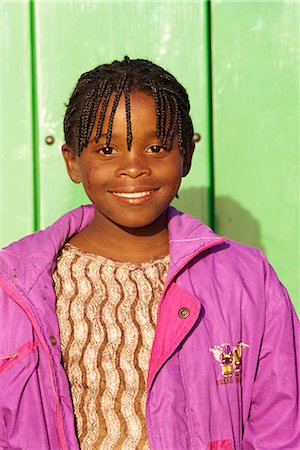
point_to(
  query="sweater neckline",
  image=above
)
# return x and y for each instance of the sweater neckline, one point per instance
(68, 247)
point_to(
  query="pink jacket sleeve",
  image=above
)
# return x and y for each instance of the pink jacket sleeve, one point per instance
(274, 421)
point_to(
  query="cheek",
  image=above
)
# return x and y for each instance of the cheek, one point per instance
(91, 176)
(175, 171)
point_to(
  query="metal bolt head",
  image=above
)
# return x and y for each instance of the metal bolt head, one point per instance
(197, 137)
(49, 140)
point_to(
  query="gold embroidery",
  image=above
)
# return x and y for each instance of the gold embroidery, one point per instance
(230, 359)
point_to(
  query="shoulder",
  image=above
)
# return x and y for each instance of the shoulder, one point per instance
(58, 232)
(245, 256)
(248, 270)
(241, 269)
(24, 260)
(195, 234)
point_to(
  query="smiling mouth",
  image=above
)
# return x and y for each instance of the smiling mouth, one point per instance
(132, 194)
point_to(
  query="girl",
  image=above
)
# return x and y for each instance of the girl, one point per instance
(127, 324)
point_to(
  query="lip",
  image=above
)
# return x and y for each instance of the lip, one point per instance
(132, 189)
(134, 196)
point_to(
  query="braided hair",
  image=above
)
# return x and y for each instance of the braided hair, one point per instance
(170, 98)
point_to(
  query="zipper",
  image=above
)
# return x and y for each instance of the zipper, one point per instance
(18, 299)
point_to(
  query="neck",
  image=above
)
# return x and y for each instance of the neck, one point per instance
(134, 245)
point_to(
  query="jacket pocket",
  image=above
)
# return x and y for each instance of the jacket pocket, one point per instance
(225, 444)
(11, 359)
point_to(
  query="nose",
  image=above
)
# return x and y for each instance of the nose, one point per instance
(133, 164)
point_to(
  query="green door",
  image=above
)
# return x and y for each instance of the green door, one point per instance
(72, 38)
(255, 59)
(240, 64)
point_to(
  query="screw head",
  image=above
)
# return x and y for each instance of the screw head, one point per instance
(197, 137)
(49, 140)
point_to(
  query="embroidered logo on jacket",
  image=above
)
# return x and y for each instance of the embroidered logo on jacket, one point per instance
(230, 359)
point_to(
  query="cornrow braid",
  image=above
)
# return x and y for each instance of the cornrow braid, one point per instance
(179, 121)
(84, 118)
(94, 90)
(173, 129)
(162, 115)
(114, 107)
(93, 112)
(107, 95)
(156, 101)
(168, 119)
(128, 115)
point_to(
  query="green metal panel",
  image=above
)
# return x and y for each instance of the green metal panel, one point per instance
(74, 37)
(16, 167)
(255, 57)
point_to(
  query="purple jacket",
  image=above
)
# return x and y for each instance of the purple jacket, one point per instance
(223, 369)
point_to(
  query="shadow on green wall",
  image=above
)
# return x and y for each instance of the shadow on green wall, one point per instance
(237, 223)
(231, 220)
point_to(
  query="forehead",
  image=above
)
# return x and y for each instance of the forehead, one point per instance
(138, 100)
(141, 110)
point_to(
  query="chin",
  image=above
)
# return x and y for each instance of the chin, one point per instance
(143, 223)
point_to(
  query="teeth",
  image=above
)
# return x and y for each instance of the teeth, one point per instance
(132, 194)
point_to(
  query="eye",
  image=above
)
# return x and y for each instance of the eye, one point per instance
(155, 149)
(107, 151)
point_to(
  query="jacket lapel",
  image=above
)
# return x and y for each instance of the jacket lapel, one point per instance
(178, 309)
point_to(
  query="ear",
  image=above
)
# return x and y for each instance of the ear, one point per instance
(72, 163)
(187, 161)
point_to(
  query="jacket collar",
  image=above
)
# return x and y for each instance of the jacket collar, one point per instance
(24, 261)
(188, 237)
(32, 255)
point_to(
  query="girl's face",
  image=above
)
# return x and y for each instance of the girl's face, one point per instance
(131, 189)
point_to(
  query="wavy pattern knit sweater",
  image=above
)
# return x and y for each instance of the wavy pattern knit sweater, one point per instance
(107, 317)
